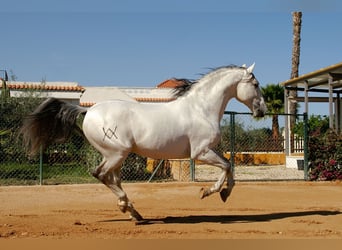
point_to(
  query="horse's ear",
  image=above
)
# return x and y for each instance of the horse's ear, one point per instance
(244, 66)
(250, 68)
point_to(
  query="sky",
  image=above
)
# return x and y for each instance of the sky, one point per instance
(136, 43)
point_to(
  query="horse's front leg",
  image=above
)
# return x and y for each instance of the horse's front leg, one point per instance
(212, 158)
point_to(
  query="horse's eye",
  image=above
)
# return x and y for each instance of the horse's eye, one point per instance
(256, 83)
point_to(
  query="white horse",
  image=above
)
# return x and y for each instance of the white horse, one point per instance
(186, 127)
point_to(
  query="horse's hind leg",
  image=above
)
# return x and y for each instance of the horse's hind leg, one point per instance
(212, 158)
(108, 172)
(114, 183)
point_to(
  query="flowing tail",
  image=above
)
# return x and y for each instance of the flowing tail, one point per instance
(52, 121)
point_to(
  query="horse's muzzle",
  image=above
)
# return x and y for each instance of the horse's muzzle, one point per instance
(259, 108)
(258, 113)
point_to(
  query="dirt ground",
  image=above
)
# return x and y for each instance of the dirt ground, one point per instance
(255, 210)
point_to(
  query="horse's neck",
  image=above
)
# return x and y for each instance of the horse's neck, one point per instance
(213, 95)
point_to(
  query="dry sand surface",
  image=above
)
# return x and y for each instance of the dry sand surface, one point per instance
(255, 210)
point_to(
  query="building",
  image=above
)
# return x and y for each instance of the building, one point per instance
(322, 85)
(67, 91)
(87, 96)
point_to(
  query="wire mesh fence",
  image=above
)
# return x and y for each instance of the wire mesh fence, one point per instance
(253, 148)
(74, 161)
(257, 148)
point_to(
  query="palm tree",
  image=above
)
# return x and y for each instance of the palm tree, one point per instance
(297, 26)
(274, 98)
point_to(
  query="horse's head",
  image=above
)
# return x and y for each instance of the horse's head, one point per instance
(249, 93)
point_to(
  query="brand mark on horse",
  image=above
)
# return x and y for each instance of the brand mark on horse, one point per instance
(109, 133)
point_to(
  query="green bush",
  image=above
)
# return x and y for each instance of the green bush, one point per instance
(12, 112)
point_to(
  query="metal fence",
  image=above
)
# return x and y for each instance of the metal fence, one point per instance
(254, 151)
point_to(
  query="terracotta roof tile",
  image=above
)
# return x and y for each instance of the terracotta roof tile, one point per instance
(45, 87)
(139, 99)
(170, 83)
(154, 99)
(87, 104)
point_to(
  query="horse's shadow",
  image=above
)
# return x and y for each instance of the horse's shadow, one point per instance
(223, 219)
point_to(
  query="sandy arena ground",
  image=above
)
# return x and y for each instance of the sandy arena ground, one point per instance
(255, 210)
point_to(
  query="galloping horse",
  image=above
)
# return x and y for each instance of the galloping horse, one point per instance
(187, 127)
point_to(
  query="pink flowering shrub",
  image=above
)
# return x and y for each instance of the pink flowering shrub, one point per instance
(325, 156)
(326, 171)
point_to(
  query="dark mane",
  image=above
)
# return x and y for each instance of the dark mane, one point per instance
(186, 84)
(184, 87)
(230, 66)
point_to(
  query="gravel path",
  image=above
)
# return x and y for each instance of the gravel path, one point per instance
(280, 172)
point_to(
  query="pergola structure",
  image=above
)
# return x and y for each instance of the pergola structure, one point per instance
(326, 81)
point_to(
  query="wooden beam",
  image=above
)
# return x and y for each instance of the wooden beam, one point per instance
(313, 90)
(331, 107)
(313, 99)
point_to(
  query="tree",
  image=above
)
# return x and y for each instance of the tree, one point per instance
(12, 111)
(274, 98)
(297, 26)
(316, 125)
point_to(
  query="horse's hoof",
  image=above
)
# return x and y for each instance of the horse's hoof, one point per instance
(225, 194)
(201, 193)
(204, 193)
(135, 216)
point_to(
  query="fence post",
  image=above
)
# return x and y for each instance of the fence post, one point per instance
(306, 147)
(232, 141)
(192, 170)
(155, 171)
